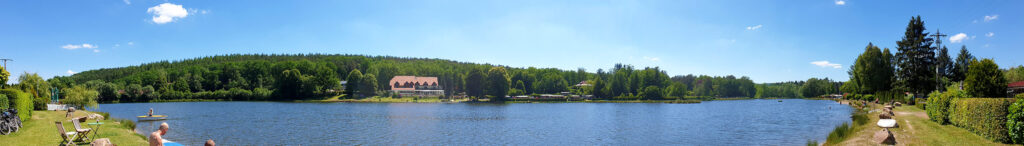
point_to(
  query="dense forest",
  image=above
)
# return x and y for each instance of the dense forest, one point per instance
(316, 76)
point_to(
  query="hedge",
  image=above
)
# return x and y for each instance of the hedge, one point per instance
(21, 101)
(982, 116)
(1015, 119)
(938, 104)
(3, 102)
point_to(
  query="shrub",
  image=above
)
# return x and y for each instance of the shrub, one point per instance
(983, 116)
(3, 102)
(812, 143)
(939, 103)
(868, 97)
(920, 103)
(1015, 121)
(839, 133)
(21, 101)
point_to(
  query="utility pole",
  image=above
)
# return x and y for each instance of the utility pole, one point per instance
(5, 61)
(938, 43)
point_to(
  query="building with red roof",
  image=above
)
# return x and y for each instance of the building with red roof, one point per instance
(1015, 88)
(415, 86)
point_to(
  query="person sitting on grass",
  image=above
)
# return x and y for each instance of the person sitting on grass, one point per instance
(156, 138)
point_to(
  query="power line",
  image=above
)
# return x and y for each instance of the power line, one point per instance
(5, 61)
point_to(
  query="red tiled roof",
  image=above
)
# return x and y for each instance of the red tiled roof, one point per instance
(401, 80)
(1016, 84)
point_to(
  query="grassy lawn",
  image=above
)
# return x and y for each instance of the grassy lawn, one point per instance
(40, 130)
(915, 129)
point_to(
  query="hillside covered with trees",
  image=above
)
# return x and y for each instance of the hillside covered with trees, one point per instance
(316, 76)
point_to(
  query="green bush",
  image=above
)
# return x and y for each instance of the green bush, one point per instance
(839, 133)
(983, 116)
(868, 97)
(3, 102)
(1015, 121)
(21, 101)
(921, 102)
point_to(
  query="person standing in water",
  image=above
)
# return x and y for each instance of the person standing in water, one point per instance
(156, 138)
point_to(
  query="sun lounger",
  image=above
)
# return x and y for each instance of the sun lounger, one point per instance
(68, 137)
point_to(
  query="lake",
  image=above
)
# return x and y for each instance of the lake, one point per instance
(732, 122)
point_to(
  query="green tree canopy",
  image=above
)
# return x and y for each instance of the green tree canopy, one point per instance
(963, 62)
(872, 71)
(497, 83)
(79, 96)
(916, 58)
(984, 79)
(354, 79)
(4, 76)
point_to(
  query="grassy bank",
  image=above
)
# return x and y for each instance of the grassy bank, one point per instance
(914, 129)
(40, 130)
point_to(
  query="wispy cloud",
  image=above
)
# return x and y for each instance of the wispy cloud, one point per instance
(991, 17)
(755, 27)
(990, 34)
(824, 63)
(127, 2)
(73, 47)
(71, 72)
(654, 59)
(167, 12)
(840, 2)
(958, 38)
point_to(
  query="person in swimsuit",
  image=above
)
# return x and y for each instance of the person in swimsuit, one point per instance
(156, 138)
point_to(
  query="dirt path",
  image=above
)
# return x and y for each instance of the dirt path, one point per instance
(916, 114)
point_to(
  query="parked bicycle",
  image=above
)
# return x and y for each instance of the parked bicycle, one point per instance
(10, 122)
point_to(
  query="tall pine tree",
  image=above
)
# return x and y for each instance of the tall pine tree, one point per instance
(916, 59)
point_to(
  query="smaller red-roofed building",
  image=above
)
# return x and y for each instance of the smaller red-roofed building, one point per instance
(1015, 88)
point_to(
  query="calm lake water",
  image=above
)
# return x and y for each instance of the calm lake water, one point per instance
(738, 122)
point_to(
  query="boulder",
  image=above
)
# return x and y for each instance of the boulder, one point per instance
(96, 116)
(101, 142)
(884, 115)
(884, 137)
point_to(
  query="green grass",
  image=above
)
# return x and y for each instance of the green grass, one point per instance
(914, 129)
(40, 130)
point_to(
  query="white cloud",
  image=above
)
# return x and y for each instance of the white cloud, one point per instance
(991, 17)
(127, 2)
(655, 59)
(990, 34)
(73, 47)
(960, 37)
(95, 50)
(71, 72)
(826, 64)
(131, 43)
(840, 2)
(167, 12)
(754, 27)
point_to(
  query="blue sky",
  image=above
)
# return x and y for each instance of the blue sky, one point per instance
(769, 41)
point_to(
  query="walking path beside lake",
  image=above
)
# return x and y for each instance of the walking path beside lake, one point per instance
(915, 128)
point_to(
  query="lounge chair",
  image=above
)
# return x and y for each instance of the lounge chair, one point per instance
(83, 132)
(68, 137)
